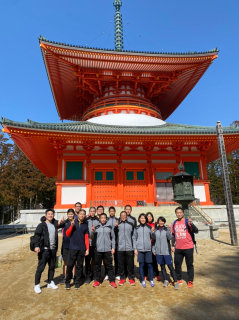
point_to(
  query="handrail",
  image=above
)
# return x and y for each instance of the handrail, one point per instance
(202, 213)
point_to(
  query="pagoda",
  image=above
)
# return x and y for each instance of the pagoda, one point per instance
(118, 149)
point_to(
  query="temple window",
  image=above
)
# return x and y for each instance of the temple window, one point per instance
(140, 175)
(129, 175)
(98, 175)
(192, 168)
(109, 175)
(74, 170)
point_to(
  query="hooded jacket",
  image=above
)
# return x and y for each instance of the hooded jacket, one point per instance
(103, 238)
(126, 236)
(92, 222)
(143, 238)
(42, 235)
(162, 237)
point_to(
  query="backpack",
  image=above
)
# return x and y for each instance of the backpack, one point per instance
(32, 243)
(189, 231)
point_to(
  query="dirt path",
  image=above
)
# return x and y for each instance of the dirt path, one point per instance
(215, 295)
(12, 243)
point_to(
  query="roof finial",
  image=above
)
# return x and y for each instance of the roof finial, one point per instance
(118, 26)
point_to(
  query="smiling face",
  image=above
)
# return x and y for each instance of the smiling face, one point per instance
(128, 210)
(123, 216)
(112, 212)
(100, 210)
(49, 216)
(179, 213)
(103, 219)
(81, 215)
(142, 220)
(92, 212)
(161, 223)
(150, 218)
(77, 208)
(70, 216)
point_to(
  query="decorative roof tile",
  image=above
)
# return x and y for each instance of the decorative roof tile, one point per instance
(89, 127)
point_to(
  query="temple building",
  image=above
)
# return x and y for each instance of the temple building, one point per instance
(118, 149)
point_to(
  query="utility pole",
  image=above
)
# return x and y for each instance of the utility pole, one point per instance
(118, 26)
(226, 185)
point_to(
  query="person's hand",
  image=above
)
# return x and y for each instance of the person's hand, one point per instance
(154, 253)
(87, 253)
(112, 251)
(116, 223)
(61, 221)
(37, 249)
(170, 225)
(190, 221)
(153, 228)
(93, 228)
(136, 252)
(73, 222)
(173, 249)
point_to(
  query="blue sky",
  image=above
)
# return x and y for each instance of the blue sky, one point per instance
(152, 25)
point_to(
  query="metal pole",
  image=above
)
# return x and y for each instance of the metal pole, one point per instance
(226, 184)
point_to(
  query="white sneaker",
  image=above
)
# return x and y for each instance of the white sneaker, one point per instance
(37, 288)
(117, 278)
(52, 285)
(106, 278)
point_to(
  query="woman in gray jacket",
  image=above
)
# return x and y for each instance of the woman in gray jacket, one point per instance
(143, 249)
(162, 249)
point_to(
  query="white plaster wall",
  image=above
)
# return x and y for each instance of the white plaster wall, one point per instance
(199, 192)
(137, 120)
(72, 194)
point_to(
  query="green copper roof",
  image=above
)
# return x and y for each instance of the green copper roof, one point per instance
(88, 127)
(189, 53)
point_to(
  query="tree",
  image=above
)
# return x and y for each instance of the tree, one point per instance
(215, 177)
(22, 186)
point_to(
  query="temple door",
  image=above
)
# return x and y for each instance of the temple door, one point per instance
(104, 187)
(135, 187)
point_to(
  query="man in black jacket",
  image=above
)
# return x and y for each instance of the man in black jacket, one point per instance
(46, 245)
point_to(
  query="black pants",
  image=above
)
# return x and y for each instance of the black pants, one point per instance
(178, 260)
(89, 263)
(107, 259)
(126, 264)
(155, 267)
(116, 264)
(172, 272)
(44, 257)
(75, 256)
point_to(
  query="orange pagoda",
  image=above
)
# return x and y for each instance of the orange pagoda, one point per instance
(118, 149)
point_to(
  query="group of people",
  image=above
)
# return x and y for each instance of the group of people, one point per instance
(97, 238)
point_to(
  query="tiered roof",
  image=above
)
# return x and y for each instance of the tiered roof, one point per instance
(78, 75)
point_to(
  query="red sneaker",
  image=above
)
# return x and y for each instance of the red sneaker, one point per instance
(113, 285)
(132, 282)
(157, 278)
(96, 284)
(180, 282)
(121, 282)
(190, 284)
